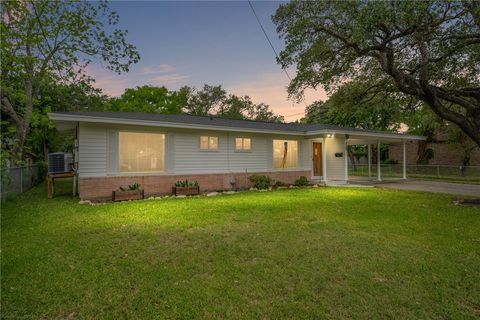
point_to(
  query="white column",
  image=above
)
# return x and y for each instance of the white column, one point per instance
(369, 156)
(324, 159)
(345, 154)
(404, 161)
(379, 173)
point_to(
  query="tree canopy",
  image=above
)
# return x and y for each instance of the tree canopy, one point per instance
(214, 100)
(45, 40)
(150, 99)
(352, 106)
(429, 50)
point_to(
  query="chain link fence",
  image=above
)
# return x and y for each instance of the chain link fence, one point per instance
(460, 173)
(17, 180)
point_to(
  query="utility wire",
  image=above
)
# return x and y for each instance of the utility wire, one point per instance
(295, 114)
(266, 36)
(273, 48)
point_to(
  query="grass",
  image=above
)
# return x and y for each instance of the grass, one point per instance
(298, 253)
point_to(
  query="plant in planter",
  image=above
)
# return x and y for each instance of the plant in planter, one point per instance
(131, 192)
(185, 187)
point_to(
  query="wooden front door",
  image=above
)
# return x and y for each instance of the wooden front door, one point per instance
(317, 159)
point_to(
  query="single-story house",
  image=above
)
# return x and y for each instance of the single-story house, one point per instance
(116, 149)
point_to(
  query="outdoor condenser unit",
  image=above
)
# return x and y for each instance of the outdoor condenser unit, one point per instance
(59, 162)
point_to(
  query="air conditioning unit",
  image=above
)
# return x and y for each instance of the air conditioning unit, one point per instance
(59, 162)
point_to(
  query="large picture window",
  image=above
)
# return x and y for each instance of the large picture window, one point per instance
(285, 154)
(141, 152)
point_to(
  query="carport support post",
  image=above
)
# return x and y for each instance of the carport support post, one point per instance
(404, 161)
(324, 159)
(369, 148)
(379, 173)
(346, 158)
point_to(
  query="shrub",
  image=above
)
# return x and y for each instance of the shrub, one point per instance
(260, 181)
(301, 182)
(186, 183)
(132, 187)
(280, 184)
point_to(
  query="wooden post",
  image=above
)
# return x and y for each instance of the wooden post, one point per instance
(50, 186)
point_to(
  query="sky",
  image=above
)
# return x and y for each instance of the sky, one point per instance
(198, 42)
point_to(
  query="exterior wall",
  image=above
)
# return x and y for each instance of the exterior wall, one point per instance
(100, 188)
(335, 165)
(443, 154)
(92, 151)
(98, 158)
(98, 150)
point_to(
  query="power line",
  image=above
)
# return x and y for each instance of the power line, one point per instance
(274, 51)
(266, 36)
(295, 114)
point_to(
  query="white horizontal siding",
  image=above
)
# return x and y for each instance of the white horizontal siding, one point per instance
(254, 160)
(92, 151)
(190, 159)
(335, 165)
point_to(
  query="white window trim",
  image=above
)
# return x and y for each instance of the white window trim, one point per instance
(143, 173)
(209, 149)
(242, 150)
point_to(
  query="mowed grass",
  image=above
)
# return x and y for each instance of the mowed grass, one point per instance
(290, 254)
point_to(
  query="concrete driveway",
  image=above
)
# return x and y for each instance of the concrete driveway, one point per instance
(434, 186)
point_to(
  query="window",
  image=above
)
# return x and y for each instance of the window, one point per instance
(141, 152)
(243, 144)
(284, 154)
(208, 143)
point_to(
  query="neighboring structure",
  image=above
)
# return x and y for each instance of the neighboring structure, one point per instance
(117, 149)
(443, 152)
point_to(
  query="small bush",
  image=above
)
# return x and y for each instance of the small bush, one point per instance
(301, 182)
(186, 183)
(132, 187)
(280, 184)
(260, 181)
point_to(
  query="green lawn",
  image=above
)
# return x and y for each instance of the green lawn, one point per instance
(297, 253)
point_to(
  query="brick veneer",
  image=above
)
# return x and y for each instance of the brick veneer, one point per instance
(100, 188)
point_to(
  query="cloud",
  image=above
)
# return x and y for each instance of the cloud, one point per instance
(174, 77)
(271, 89)
(162, 68)
(113, 84)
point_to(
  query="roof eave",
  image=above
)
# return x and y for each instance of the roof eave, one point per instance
(165, 124)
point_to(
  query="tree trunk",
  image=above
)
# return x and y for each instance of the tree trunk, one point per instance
(469, 122)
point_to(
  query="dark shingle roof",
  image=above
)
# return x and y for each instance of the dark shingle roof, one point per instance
(214, 121)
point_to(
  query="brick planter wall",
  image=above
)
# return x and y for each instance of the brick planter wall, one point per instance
(101, 188)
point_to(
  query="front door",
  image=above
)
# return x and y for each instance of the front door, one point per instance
(317, 159)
